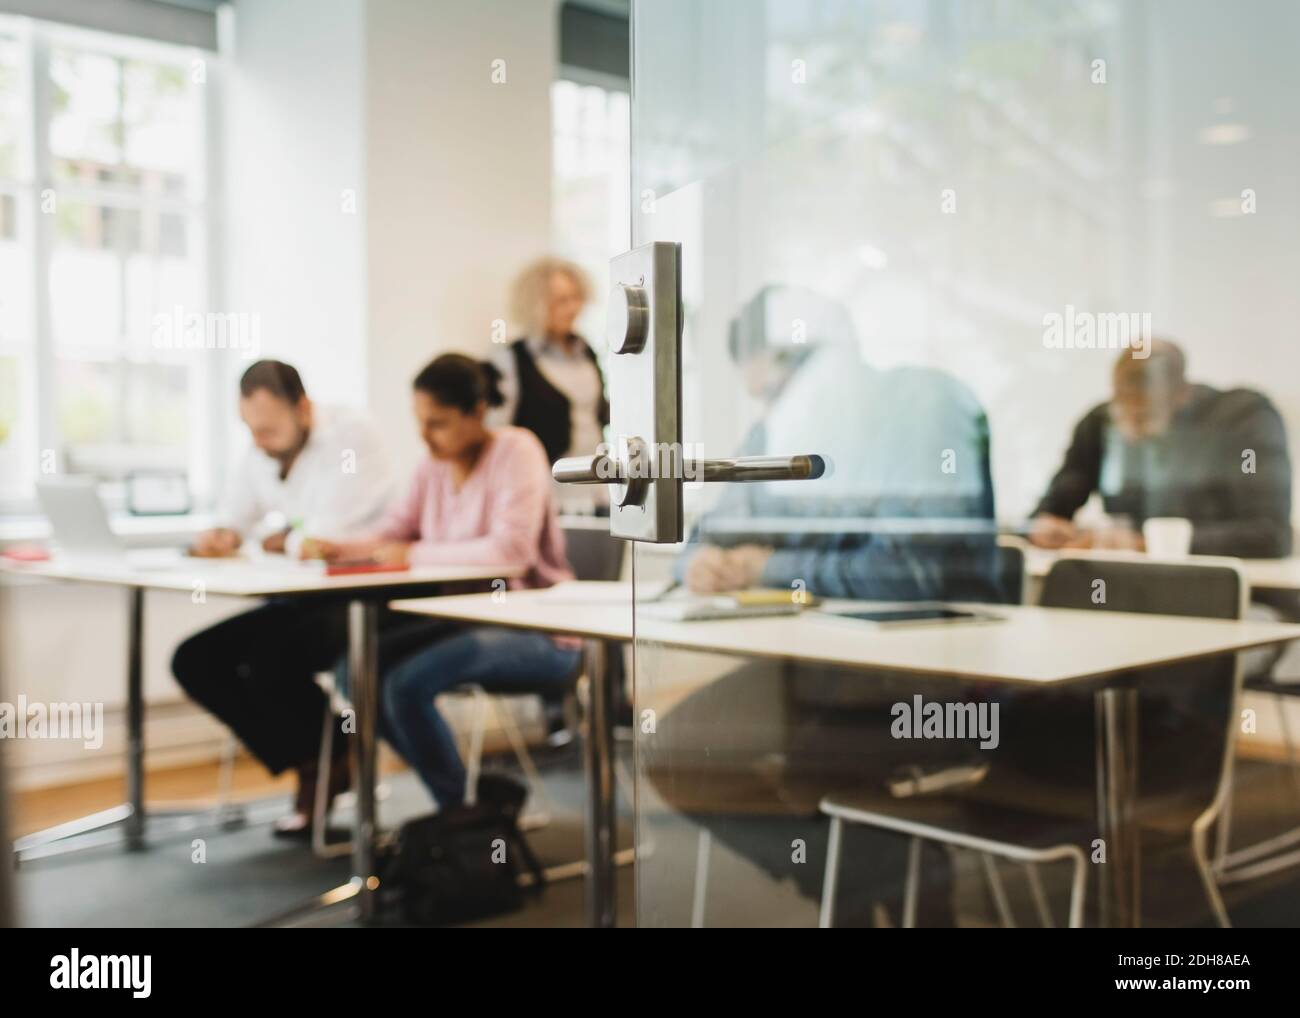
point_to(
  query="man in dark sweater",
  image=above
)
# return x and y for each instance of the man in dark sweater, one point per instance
(1163, 446)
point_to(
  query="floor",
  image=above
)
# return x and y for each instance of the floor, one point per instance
(245, 876)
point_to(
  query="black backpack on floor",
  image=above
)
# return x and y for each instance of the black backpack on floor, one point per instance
(465, 863)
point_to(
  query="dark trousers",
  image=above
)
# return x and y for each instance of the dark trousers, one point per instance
(256, 672)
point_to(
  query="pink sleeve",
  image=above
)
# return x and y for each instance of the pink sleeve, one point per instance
(400, 523)
(519, 487)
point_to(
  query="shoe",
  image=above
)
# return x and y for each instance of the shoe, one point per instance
(559, 733)
(297, 826)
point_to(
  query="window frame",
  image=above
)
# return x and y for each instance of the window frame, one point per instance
(36, 230)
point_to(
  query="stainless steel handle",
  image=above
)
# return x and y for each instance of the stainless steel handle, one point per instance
(603, 469)
(761, 468)
(598, 469)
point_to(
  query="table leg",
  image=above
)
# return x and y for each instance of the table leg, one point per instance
(8, 906)
(124, 823)
(363, 692)
(601, 901)
(1117, 772)
(135, 820)
(363, 688)
(128, 822)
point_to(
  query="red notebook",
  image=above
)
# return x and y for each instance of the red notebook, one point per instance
(364, 566)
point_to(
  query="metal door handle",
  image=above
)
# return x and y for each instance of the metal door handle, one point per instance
(604, 469)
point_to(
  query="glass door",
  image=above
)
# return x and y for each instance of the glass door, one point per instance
(917, 238)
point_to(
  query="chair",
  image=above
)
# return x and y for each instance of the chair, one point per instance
(1028, 833)
(1010, 580)
(1011, 570)
(1269, 855)
(593, 555)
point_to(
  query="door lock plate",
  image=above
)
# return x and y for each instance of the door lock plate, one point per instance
(644, 375)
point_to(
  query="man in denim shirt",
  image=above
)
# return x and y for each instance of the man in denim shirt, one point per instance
(905, 513)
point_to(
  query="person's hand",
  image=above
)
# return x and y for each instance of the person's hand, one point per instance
(713, 569)
(1119, 539)
(217, 543)
(708, 571)
(274, 543)
(393, 553)
(748, 561)
(1048, 531)
(314, 547)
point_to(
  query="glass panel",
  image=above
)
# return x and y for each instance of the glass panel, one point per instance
(114, 269)
(124, 123)
(938, 242)
(14, 443)
(119, 415)
(85, 119)
(13, 118)
(589, 183)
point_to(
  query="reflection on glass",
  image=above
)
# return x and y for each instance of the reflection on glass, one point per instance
(911, 234)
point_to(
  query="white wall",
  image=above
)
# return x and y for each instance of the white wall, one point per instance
(458, 180)
(294, 142)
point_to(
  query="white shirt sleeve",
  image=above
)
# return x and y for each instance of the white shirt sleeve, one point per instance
(239, 508)
(353, 489)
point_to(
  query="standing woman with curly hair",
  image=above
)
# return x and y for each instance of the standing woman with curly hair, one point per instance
(550, 377)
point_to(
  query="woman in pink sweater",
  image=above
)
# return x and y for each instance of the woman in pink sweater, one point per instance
(484, 497)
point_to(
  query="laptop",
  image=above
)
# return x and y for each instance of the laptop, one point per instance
(79, 522)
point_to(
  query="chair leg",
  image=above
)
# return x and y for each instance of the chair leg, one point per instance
(321, 803)
(912, 885)
(229, 813)
(474, 761)
(226, 771)
(1243, 862)
(703, 850)
(1078, 891)
(505, 719)
(998, 892)
(623, 781)
(1289, 742)
(826, 918)
(1040, 898)
(1223, 830)
(1207, 878)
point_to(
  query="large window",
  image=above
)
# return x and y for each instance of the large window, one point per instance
(590, 183)
(103, 243)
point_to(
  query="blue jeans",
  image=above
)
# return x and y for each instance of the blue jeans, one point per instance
(499, 660)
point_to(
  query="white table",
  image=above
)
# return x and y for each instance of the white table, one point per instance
(256, 577)
(1030, 646)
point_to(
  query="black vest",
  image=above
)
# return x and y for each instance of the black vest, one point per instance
(545, 410)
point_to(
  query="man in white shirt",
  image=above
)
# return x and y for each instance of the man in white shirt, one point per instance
(319, 473)
(316, 471)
